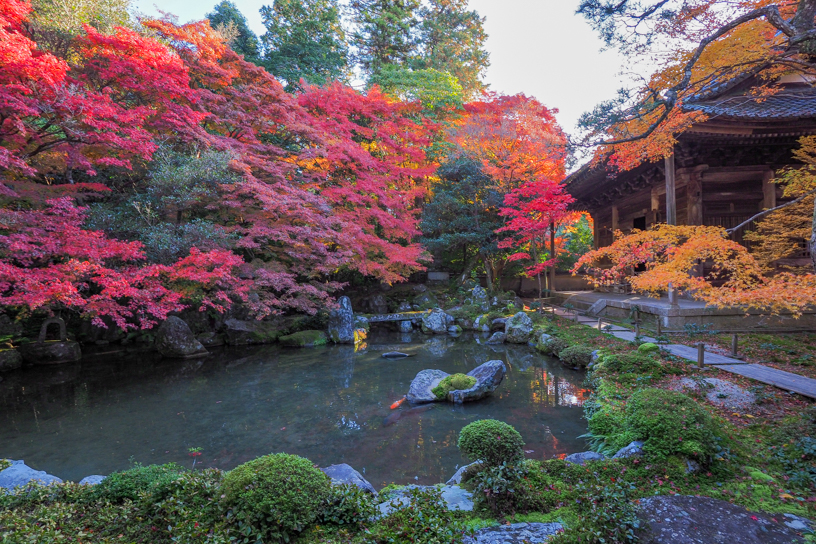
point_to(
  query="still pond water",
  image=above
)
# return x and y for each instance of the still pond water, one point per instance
(329, 404)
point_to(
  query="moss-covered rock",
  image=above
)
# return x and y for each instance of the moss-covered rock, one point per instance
(648, 347)
(304, 339)
(576, 356)
(455, 382)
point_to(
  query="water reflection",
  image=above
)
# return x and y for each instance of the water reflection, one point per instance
(330, 404)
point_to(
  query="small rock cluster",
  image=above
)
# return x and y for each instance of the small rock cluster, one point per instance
(488, 377)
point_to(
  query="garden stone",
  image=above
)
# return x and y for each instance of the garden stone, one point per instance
(435, 322)
(405, 326)
(455, 330)
(420, 390)
(498, 324)
(341, 323)
(306, 339)
(518, 328)
(528, 533)
(479, 293)
(426, 301)
(496, 338)
(51, 352)
(692, 466)
(92, 480)
(488, 377)
(584, 457)
(404, 306)
(344, 474)
(481, 324)
(175, 339)
(720, 392)
(634, 449)
(798, 523)
(20, 474)
(377, 304)
(361, 322)
(544, 338)
(703, 520)
(594, 358)
(456, 479)
(10, 359)
(454, 497)
(249, 332)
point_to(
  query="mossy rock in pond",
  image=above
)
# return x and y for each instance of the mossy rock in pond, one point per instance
(304, 339)
(454, 382)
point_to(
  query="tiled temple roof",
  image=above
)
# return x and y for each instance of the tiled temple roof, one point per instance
(792, 102)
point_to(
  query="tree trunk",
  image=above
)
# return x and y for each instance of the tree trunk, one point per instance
(489, 274)
(805, 12)
(469, 265)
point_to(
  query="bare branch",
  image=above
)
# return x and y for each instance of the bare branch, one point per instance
(763, 213)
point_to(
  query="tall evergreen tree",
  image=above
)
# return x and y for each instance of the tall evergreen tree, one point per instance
(304, 39)
(227, 18)
(385, 32)
(451, 39)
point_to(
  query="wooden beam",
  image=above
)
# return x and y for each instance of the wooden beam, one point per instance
(768, 190)
(614, 218)
(671, 197)
(694, 196)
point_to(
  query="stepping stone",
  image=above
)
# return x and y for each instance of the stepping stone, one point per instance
(455, 498)
(517, 533)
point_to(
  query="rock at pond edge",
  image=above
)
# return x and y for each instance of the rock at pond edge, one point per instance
(20, 474)
(341, 323)
(175, 339)
(344, 474)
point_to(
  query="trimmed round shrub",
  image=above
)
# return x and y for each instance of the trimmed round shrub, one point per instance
(491, 441)
(154, 480)
(648, 347)
(454, 382)
(576, 356)
(671, 424)
(276, 496)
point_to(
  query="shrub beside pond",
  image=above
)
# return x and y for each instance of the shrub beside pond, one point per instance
(276, 496)
(492, 442)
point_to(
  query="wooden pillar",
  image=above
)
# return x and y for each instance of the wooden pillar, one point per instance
(614, 218)
(768, 190)
(655, 210)
(671, 199)
(596, 233)
(694, 196)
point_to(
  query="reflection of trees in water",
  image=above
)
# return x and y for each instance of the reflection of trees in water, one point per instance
(552, 390)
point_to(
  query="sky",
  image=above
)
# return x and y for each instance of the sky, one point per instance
(537, 47)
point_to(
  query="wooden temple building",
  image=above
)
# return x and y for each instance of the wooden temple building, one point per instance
(721, 169)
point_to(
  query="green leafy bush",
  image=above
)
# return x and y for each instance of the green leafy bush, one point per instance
(454, 382)
(605, 514)
(491, 441)
(274, 497)
(513, 488)
(348, 505)
(576, 356)
(671, 423)
(153, 480)
(425, 520)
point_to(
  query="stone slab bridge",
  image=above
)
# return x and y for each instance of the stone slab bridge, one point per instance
(385, 318)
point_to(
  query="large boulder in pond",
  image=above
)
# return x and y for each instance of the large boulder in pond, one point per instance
(517, 329)
(10, 359)
(344, 474)
(241, 332)
(422, 385)
(175, 339)
(435, 322)
(51, 352)
(305, 339)
(341, 323)
(425, 301)
(20, 474)
(488, 377)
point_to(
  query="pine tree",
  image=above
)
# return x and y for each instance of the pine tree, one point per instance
(304, 39)
(452, 39)
(227, 18)
(385, 32)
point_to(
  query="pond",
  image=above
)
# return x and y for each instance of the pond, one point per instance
(329, 404)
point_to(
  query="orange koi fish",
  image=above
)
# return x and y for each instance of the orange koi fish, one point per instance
(398, 403)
